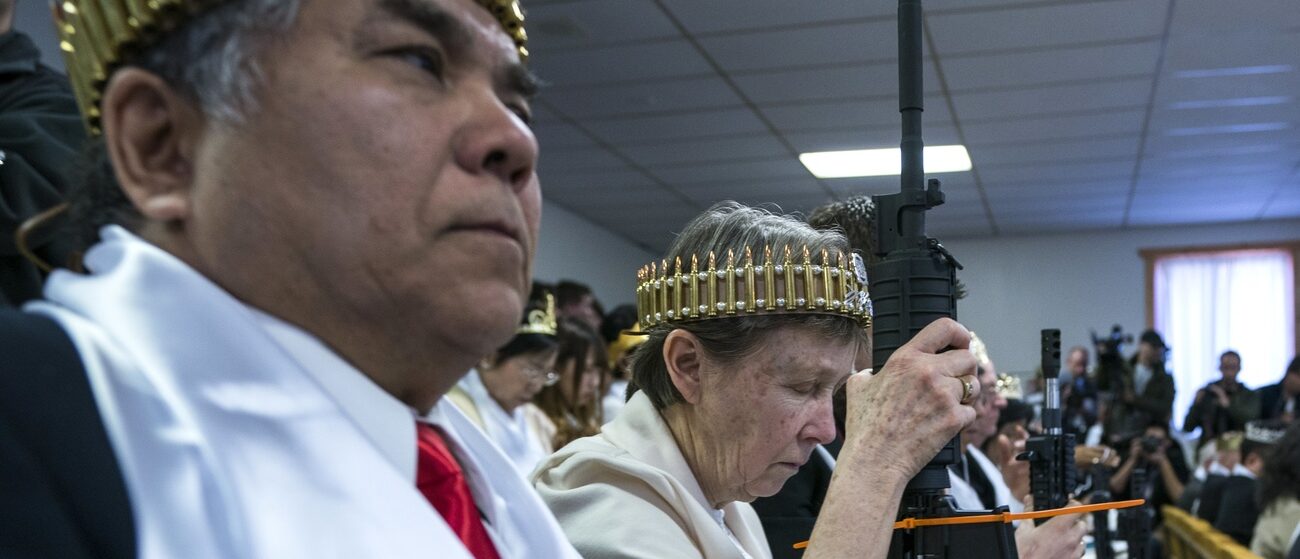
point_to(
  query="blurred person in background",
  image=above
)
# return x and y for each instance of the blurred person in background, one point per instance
(1282, 400)
(573, 403)
(976, 474)
(1161, 459)
(41, 139)
(1279, 498)
(1223, 405)
(576, 300)
(1142, 391)
(497, 395)
(1078, 395)
(1214, 463)
(1239, 508)
(622, 335)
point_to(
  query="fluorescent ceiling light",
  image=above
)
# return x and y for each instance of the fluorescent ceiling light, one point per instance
(882, 162)
(1238, 102)
(1229, 129)
(1235, 71)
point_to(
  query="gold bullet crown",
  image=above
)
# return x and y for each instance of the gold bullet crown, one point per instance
(96, 36)
(540, 321)
(777, 285)
(1009, 387)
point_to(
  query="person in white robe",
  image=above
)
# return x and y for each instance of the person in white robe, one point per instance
(497, 396)
(731, 398)
(303, 237)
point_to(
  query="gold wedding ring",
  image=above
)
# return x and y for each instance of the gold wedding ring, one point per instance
(967, 391)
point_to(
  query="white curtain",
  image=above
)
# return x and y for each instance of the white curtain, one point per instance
(1207, 303)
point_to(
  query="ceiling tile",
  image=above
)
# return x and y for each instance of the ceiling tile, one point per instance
(754, 146)
(1169, 211)
(841, 82)
(697, 173)
(1061, 222)
(1008, 7)
(841, 114)
(1255, 16)
(1210, 167)
(612, 197)
(1048, 174)
(752, 191)
(554, 135)
(1046, 26)
(830, 140)
(848, 43)
(1048, 66)
(727, 15)
(636, 62)
(993, 156)
(572, 25)
(563, 161)
(1285, 203)
(687, 125)
(1055, 206)
(560, 180)
(651, 96)
(1019, 102)
(1031, 130)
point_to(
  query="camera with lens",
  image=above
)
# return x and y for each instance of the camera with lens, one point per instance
(1150, 444)
(1110, 345)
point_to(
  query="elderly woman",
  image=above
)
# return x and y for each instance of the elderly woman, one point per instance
(497, 395)
(753, 327)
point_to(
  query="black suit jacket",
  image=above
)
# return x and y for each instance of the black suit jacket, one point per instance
(62, 493)
(1270, 401)
(1238, 511)
(1211, 497)
(788, 517)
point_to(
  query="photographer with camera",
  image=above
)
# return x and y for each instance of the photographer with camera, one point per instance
(1155, 458)
(1223, 405)
(1142, 391)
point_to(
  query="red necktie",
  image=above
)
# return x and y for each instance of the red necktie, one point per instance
(439, 477)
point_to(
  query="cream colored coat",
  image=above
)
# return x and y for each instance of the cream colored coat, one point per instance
(1275, 528)
(628, 492)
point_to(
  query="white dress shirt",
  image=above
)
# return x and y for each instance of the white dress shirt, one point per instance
(240, 435)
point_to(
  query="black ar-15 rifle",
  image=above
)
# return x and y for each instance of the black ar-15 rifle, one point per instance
(913, 285)
(1051, 454)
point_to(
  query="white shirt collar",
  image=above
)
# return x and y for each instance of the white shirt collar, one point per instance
(1240, 470)
(385, 420)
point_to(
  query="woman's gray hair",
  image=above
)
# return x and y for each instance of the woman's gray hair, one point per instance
(733, 226)
(213, 60)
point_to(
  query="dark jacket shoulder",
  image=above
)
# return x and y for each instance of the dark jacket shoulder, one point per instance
(64, 494)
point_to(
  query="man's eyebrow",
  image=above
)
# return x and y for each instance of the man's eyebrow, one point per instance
(430, 18)
(517, 79)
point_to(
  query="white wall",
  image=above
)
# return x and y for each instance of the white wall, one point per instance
(1020, 285)
(571, 247)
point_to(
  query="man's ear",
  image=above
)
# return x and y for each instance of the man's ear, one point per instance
(151, 133)
(683, 356)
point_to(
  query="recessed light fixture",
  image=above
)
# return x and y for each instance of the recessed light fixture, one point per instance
(1229, 129)
(882, 162)
(1235, 71)
(1238, 102)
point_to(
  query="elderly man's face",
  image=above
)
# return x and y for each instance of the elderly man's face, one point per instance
(1077, 363)
(766, 414)
(386, 180)
(988, 405)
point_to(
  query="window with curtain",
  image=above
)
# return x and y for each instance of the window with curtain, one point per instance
(1207, 302)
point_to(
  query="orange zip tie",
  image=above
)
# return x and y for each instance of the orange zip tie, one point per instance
(1006, 517)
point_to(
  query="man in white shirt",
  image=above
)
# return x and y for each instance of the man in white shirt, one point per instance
(309, 220)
